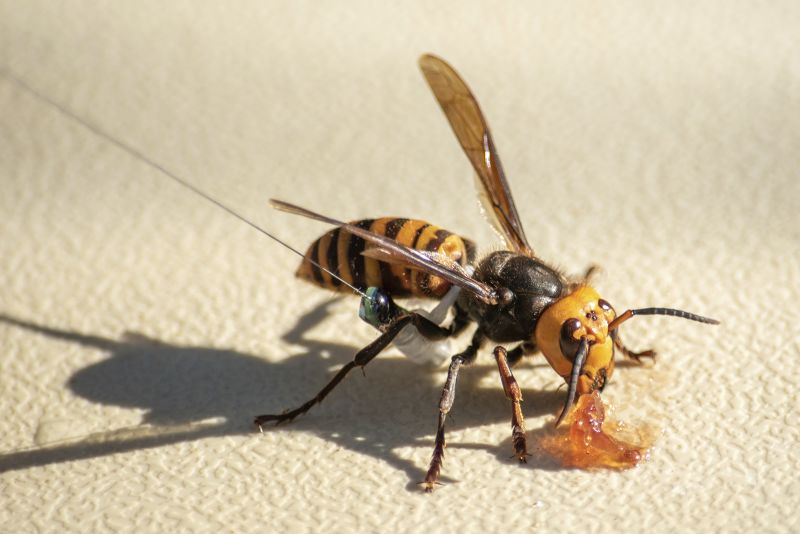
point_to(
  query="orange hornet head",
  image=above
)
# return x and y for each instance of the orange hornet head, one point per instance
(576, 335)
(573, 335)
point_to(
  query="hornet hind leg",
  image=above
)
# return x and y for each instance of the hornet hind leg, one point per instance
(361, 359)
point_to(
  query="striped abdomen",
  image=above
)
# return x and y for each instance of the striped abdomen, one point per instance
(340, 252)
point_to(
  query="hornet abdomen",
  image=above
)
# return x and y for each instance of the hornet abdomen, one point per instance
(340, 252)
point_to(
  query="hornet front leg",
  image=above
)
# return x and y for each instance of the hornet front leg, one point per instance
(628, 353)
(513, 393)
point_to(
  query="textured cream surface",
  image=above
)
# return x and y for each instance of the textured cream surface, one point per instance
(141, 327)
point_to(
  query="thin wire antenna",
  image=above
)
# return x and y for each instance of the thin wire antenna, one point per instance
(158, 167)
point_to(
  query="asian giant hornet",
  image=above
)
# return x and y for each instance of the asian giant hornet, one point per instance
(511, 295)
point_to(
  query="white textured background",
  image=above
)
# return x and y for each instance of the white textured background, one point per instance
(141, 327)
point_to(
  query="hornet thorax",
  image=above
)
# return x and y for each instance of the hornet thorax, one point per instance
(535, 286)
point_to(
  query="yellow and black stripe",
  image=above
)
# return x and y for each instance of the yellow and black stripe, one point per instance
(340, 252)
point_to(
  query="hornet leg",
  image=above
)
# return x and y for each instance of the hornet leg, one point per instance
(513, 393)
(591, 272)
(628, 353)
(446, 403)
(516, 354)
(361, 359)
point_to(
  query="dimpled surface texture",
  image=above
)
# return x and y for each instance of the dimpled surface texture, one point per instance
(142, 327)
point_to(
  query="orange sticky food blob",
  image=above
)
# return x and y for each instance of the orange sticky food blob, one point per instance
(589, 441)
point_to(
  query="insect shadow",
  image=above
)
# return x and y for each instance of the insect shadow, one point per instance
(181, 388)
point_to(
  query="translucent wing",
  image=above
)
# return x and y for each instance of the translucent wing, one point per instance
(466, 119)
(391, 251)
